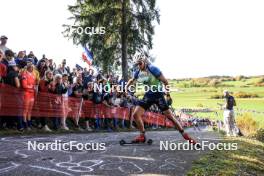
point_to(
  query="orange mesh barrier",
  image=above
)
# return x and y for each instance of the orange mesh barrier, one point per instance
(12, 103)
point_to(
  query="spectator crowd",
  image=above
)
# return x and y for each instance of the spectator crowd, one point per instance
(32, 75)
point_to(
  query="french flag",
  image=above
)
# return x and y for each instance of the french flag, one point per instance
(87, 56)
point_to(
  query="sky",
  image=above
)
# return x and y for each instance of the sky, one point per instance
(195, 37)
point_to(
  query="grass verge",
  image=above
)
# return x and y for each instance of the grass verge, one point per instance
(248, 159)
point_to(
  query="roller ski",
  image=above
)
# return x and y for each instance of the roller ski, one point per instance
(141, 139)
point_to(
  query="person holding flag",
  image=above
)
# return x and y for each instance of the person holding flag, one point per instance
(87, 56)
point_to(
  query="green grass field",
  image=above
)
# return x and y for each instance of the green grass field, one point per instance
(246, 160)
(200, 97)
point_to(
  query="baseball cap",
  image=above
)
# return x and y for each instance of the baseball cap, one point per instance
(3, 37)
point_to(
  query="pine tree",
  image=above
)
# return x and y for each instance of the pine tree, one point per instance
(129, 27)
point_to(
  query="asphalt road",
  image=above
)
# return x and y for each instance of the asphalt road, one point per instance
(16, 159)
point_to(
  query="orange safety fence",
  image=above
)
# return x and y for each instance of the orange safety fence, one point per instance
(51, 105)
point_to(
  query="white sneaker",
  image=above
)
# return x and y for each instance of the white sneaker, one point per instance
(65, 128)
(47, 129)
(89, 129)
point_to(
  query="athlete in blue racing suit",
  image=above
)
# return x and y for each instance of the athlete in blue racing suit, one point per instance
(152, 77)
